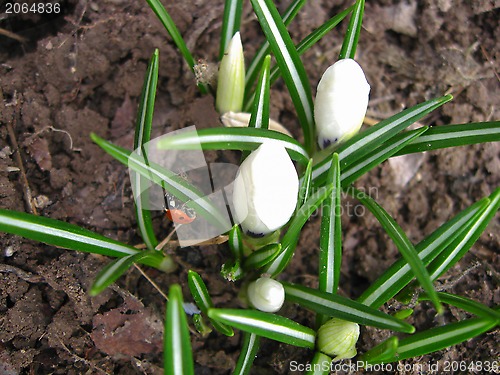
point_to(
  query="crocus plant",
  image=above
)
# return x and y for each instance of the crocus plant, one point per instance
(279, 184)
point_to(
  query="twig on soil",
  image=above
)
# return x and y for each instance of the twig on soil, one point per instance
(50, 127)
(163, 243)
(151, 281)
(28, 197)
(487, 57)
(10, 34)
(80, 359)
(22, 274)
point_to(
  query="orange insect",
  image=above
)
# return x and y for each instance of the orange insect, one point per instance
(178, 212)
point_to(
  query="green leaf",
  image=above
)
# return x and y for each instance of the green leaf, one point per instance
(343, 308)
(379, 155)
(330, 245)
(435, 339)
(230, 23)
(320, 364)
(171, 182)
(235, 242)
(118, 267)
(364, 142)
(465, 304)
(291, 237)
(268, 325)
(248, 351)
(177, 352)
(454, 135)
(382, 352)
(174, 33)
(259, 258)
(290, 65)
(204, 301)
(263, 50)
(351, 37)
(453, 253)
(402, 242)
(61, 234)
(143, 136)
(305, 185)
(399, 274)
(233, 139)
(260, 112)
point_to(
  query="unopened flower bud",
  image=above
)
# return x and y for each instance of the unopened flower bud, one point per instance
(337, 338)
(266, 294)
(265, 190)
(341, 102)
(231, 81)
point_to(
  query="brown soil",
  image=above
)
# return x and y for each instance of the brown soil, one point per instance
(82, 72)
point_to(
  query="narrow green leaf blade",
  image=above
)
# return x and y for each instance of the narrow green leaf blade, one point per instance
(61, 234)
(400, 274)
(438, 137)
(230, 23)
(248, 351)
(382, 352)
(115, 269)
(402, 242)
(291, 237)
(465, 304)
(174, 33)
(379, 155)
(233, 139)
(263, 50)
(143, 136)
(259, 258)
(290, 65)
(305, 185)
(452, 254)
(177, 352)
(274, 327)
(203, 300)
(351, 37)
(363, 143)
(260, 112)
(330, 243)
(435, 339)
(343, 308)
(320, 364)
(235, 242)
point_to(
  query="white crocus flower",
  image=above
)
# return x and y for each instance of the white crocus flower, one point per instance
(231, 81)
(341, 102)
(265, 190)
(266, 294)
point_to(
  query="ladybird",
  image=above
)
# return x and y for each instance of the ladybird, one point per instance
(177, 212)
(179, 216)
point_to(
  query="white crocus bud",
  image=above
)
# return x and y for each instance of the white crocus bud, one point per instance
(341, 102)
(231, 81)
(265, 190)
(337, 338)
(266, 294)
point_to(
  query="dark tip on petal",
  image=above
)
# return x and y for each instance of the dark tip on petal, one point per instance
(255, 235)
(328, 142)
